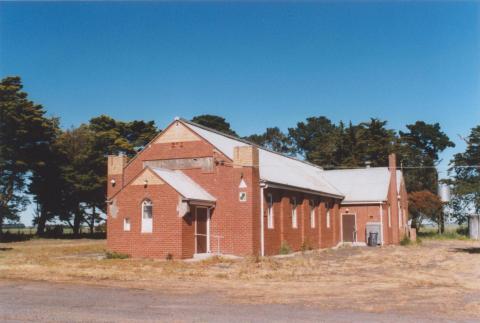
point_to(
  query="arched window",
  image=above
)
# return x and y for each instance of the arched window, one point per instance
(147, 216)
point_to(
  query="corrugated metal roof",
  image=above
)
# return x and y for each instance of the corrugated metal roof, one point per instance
(183, 184)
(274, 167)
(363, 184)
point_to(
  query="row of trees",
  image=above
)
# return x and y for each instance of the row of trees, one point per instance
(65, 170)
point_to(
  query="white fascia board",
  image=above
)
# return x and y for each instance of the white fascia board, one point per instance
(361, 202)
(299, 189)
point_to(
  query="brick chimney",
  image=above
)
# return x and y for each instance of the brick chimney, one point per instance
(115, 166)
(246, 180)
(245, 156)
(393, 198)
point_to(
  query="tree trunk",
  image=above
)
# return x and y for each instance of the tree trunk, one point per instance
(415, 223)
(76, 223)
(442, 222)
(42, 220)
(92, 222)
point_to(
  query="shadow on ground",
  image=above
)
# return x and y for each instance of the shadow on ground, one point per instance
(471, 250)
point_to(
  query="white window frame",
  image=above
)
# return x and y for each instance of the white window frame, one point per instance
(327, 206)
(270, 213)
(313, 223)
(294, 213)
(126, 224)
(146, 229)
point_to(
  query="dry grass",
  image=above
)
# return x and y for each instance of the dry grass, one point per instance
(438, 277)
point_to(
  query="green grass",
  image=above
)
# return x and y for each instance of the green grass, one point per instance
(285, 248)
(116, 255)
(407, 242)
(459, 233)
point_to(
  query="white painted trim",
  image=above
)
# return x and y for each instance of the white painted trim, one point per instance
(299, 189)
(361, 202)
(355, 228)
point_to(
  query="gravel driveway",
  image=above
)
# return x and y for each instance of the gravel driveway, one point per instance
(50, 302)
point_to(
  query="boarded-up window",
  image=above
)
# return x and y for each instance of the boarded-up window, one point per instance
(205, 163)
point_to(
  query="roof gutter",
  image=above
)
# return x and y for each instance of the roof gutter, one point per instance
(299, 189)
(361, 202)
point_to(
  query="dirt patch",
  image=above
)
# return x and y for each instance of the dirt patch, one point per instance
(437, 277)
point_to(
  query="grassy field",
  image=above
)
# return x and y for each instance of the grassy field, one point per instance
(438, 276)
(33, 230)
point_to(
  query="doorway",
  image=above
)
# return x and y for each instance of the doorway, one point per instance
(349, 228)
(202, 231)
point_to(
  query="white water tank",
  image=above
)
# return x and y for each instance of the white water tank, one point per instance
(444, 193)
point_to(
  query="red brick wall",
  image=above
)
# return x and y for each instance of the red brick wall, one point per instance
(329, 236)
(318, 237)
(363, 214)
(167, 226)
(237, 223)
(272, 236)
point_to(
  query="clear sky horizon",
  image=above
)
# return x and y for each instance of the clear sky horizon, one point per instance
(256, 64)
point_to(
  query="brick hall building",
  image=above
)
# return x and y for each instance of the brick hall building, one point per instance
(193, 191)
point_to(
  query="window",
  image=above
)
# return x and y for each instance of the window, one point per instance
(294, 213)
(327, 205)
(312, 214)
(400, 214)
(389, 217)
(270, 212)
(242, 197)
(126, 224)
(147, 216)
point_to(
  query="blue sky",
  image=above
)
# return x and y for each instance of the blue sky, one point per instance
(257, 64)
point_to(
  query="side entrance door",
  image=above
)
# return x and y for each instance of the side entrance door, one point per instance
(348, 227)
(201, 231)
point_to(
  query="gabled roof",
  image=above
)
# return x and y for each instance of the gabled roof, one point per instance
(183, 184)
(274, 167)
(363, 184)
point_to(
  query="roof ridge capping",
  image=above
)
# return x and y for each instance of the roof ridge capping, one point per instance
(248, 142)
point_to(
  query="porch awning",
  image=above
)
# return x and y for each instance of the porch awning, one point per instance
(185, 186)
